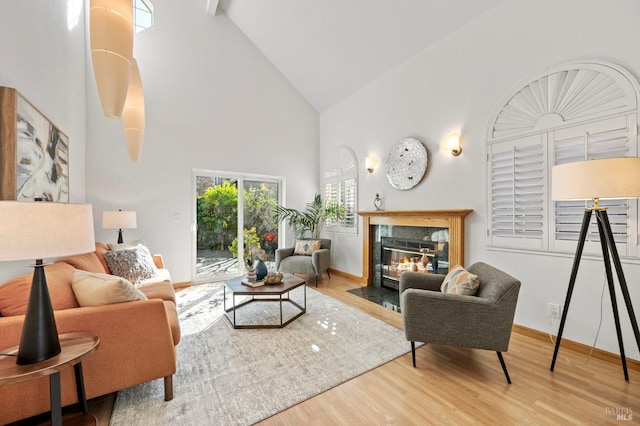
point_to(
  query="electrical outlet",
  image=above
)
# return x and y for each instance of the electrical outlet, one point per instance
(553, 310)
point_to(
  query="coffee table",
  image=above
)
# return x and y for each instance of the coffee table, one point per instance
(289, 283)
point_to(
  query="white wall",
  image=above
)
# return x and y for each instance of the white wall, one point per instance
(214, 102)
(44, 60)
(456, 84)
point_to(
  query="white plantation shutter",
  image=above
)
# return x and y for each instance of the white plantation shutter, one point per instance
(344, 193)
(575, 112)
(603, 139)
(340, 185)
(517, 194)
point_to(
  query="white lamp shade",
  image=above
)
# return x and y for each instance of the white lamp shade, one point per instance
(111, 36)
(611, 178)
(119, 220)
(38, 230)
(133, 115)
(370, 162)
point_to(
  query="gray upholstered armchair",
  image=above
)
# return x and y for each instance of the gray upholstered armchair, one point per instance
(315, 264)
(483, 321)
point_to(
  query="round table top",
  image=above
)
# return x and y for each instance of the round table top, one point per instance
(74, 347)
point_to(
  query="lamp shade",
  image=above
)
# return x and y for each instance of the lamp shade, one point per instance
(41, 230)
(119, 220)
(111, 37)
(370, 163)
(133, 115)
(611, 178)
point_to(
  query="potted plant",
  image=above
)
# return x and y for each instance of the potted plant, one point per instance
(312, 220)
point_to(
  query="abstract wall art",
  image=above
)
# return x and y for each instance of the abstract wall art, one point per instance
(34, 153)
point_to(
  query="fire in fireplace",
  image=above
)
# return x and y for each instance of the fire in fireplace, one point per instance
(400, 254)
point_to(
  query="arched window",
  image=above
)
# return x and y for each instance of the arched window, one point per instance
(573, 112)
(340, 183)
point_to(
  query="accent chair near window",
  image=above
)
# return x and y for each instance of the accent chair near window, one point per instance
(314, 263)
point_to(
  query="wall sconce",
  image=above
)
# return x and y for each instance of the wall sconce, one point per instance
(370, 163)
(453, 143)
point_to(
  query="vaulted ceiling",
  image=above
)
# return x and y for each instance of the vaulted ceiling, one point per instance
(329, 49)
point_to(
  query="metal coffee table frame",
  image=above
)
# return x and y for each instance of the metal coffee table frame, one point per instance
(236, 288)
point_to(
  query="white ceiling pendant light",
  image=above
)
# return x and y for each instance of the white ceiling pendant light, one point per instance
(133, 115)
(111, 34)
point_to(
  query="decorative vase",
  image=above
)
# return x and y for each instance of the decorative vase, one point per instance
(251, 274)
(425, 261)
(261, 270)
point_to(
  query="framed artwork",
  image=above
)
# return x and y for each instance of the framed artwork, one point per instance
(34, 153)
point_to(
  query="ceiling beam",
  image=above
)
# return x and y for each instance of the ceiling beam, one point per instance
(212, 6)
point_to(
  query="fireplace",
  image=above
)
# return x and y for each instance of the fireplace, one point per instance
(401, 254)
(408, 235)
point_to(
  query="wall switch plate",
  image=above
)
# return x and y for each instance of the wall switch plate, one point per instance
(553, 310)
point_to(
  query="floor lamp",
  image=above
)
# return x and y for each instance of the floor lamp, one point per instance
(613, 178)
(38, 230)
(119, 220)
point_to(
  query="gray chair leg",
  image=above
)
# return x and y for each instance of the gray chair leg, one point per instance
(413, 353)
(328, 273)
(316, 281)
(504, 366)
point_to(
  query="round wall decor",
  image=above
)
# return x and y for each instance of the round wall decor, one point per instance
(406, 163)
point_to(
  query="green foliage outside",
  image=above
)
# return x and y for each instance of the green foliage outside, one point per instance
(217, 216)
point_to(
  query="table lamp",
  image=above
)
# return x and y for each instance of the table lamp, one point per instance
(595, 180)
(38, 230)
(119, 220)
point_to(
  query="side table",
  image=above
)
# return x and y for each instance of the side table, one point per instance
(75, 346)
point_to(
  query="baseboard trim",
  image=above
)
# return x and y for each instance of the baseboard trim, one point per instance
(347, 275)
(632, 364)
(181, 285)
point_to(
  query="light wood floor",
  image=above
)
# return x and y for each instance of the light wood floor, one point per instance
(463, 386)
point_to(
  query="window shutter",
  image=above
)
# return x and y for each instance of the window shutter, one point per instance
(604, 139)
(341, 186)
(517, 194)
(573, 112)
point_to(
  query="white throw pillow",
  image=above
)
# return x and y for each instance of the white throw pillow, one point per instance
(122, 246)
(95, 289)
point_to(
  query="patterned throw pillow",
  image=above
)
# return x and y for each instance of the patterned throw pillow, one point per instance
(306, 247)
(460, 281)
(134, 264)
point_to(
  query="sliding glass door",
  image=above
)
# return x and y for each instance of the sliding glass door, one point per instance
(227, 205)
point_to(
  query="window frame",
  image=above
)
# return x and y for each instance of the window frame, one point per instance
(341, 171)
(508, 129)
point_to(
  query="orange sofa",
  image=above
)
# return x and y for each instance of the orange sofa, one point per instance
(138, 339)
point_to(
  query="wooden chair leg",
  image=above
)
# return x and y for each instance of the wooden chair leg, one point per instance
(504, 366)
(413, 353)
(328, 273)
(168, 388)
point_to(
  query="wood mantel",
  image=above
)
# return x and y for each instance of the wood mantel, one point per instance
(451, 219)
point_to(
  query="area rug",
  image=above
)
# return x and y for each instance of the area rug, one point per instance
(239, 377)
